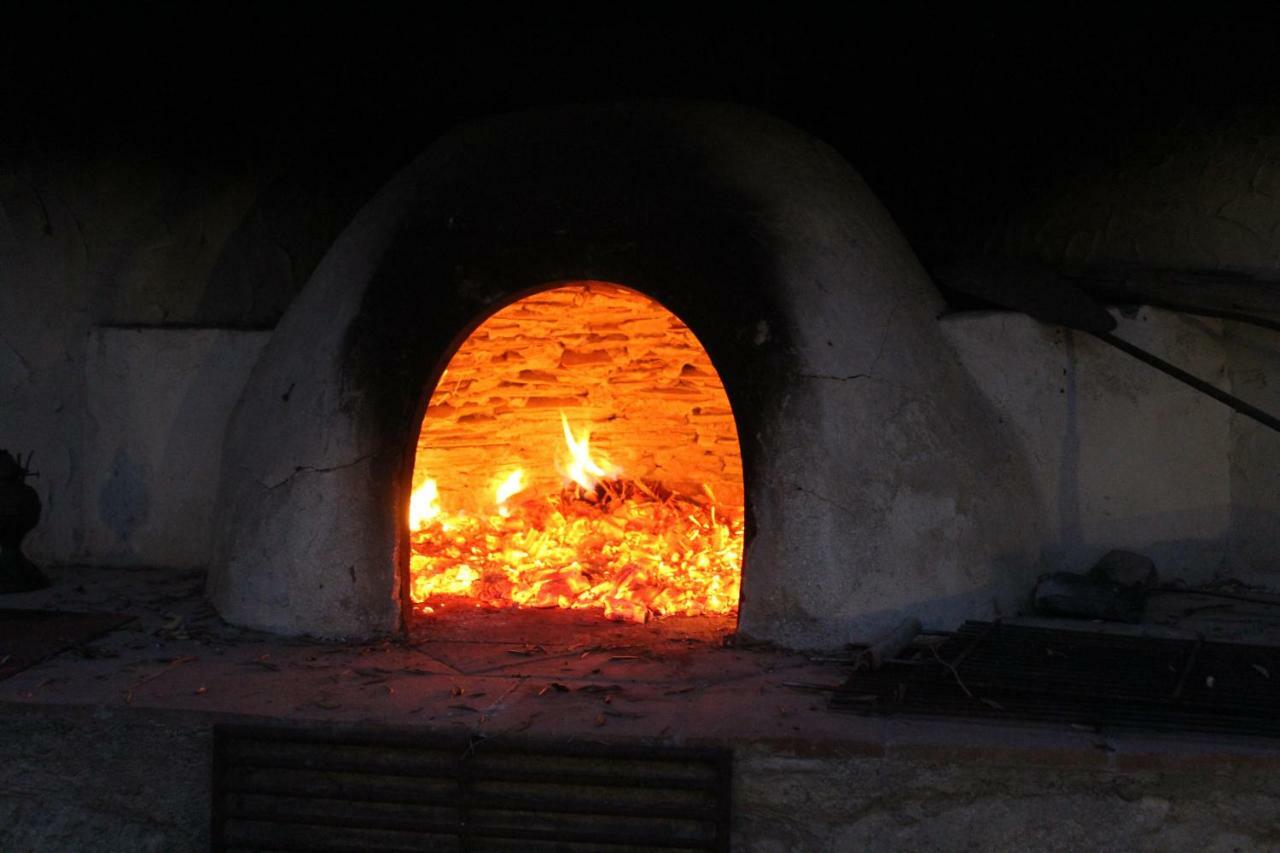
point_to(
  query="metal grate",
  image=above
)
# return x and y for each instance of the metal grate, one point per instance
(991, 670)
(278, 788)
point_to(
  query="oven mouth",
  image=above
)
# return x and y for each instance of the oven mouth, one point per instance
(578, 452)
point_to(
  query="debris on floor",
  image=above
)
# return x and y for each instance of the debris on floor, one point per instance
(1087, 597)
(1095, 678)
(1125, 569)
(1114, 590)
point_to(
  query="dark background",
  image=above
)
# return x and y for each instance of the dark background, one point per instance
(952, 117)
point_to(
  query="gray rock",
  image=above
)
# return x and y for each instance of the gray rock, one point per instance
(1126, 569)
(1087, 597)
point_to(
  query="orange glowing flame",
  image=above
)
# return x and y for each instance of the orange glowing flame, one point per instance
(509, 487)
(423, 505)
(579, 467)
(521, 514)
(629, 547)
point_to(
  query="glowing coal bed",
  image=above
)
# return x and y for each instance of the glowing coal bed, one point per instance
(579, 452)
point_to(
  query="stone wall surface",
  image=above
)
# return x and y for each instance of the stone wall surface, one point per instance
(790, 802)
(1123, 455)
(46, 308)
(1254, 458)
(883, 478)
(104, 240)
(618, 366)
(101, 779)
(108, 779)
(158, 404)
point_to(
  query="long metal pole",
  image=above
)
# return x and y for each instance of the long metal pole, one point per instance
(1194, 381)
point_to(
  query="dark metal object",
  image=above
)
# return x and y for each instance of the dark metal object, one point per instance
(1187, 667)
(1249, 411)
(285, 788)
(1038, 292)
(1233, 316)
(975, 640)
(19, 514)
(991, 670)
(1188, 291)
(1261, 598)
(1045, 296)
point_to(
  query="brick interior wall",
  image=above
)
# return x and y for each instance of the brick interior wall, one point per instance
(615, 363)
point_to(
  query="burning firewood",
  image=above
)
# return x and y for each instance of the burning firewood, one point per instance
(631, 549)
(517, 504)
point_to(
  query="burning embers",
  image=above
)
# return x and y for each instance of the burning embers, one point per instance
(633, 547)
(519, 502)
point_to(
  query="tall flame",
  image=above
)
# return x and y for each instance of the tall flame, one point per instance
(423, 505)
(580, 467)
(508, 488)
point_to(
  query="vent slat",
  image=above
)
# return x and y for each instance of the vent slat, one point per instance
(267, 828)
(283, 788)
(603, 779)
(345, 784)
(701, 809)
(268, 835)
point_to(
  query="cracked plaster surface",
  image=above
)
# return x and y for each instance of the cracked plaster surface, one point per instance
(308, 469)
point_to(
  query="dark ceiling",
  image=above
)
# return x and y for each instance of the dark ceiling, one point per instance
(942, 113)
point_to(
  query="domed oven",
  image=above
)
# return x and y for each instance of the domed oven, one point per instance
(643, 361)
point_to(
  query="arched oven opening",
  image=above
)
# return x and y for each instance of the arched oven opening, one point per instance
(578, 452)
(877, 481)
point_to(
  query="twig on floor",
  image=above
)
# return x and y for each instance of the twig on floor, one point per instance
(176, 662)
(959, 680)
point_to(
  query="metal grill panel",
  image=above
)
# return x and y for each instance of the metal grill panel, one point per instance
(278, 788)
(992, 670)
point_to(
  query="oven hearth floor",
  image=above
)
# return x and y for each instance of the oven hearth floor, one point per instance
(108, 747)
(555, 674)
(549, 673)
